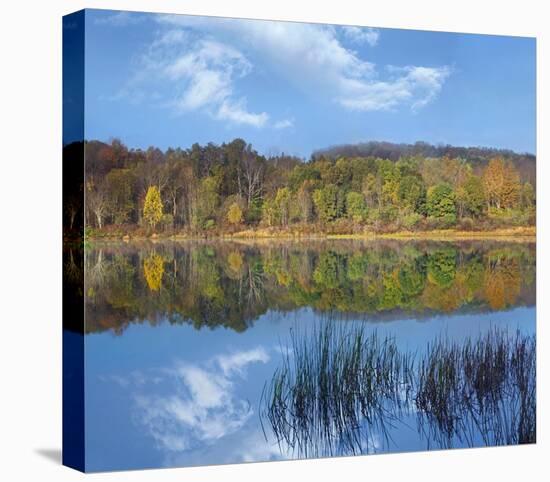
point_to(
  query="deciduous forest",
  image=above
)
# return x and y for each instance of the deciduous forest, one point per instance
(231, 188)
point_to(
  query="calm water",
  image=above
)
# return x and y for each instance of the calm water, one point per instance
(198, 353)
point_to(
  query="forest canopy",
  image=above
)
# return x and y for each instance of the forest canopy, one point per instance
(375, 187)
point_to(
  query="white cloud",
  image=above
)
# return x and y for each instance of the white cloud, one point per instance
(361, 35)
(254, 448)
(414, 86)
(313, 58)
(201, 73)
(236, 112)
(284, 124)
(198, 62)
(303, 53)
(246, 445)
(207, 71)
(202, 405)
(236, 362)
(430, 79)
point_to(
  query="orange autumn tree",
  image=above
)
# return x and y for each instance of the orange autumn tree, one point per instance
(502, 283)
(501, 184)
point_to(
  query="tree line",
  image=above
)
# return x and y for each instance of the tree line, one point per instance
(231, 187)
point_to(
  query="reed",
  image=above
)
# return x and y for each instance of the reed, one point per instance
(483, 386)
(340, 389)
(331, 381)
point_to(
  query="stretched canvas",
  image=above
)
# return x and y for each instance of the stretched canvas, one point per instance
(289, 240)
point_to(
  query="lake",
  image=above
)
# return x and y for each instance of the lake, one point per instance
(214, 352)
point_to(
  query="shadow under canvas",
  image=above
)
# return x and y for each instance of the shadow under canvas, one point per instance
(53, 455)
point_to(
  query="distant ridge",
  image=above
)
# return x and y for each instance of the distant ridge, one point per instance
(477, 156)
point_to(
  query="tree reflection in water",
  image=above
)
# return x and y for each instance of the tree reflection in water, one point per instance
(229, 284)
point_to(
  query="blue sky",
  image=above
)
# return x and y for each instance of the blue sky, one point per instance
(173, 80)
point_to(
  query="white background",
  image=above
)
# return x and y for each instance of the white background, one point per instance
(30, 238)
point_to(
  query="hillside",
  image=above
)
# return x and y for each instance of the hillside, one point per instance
(478, 157)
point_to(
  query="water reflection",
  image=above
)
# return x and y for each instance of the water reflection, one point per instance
(232, 284)
(202, 406)
(223, 352)
(342, 391)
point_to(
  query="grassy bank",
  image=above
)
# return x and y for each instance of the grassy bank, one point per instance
(517, 234)
(525, 232)
(528, 233)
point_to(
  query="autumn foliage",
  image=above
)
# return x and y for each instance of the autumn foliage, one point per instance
(212, 189)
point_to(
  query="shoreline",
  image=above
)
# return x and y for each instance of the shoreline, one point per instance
(519, 234)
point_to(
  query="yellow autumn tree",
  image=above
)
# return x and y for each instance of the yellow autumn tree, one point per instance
(235, 262)
(235, 214)
(152, 208)
(153, 270)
